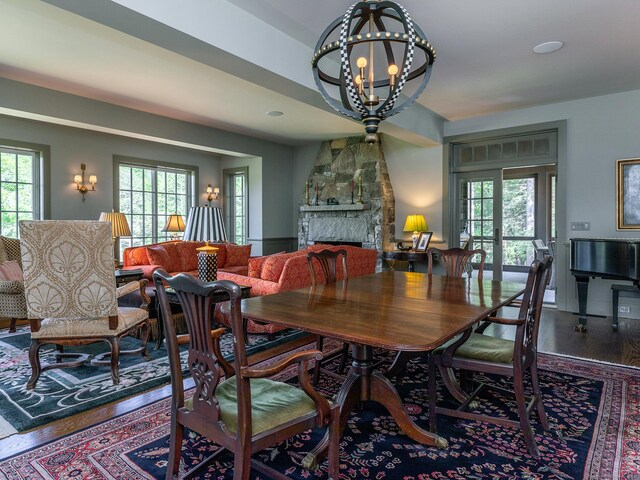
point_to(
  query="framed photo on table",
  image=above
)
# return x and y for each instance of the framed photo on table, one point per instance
(628, 194)
(423, 241)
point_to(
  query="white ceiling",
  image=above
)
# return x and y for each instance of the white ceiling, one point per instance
(485, 60)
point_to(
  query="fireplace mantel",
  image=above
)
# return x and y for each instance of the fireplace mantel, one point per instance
(335, 208)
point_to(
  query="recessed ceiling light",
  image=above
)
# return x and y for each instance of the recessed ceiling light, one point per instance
(275, 113)
(548, 47)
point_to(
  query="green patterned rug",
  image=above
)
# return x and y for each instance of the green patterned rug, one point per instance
(60, 393)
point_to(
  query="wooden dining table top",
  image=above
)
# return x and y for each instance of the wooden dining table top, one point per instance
(393, 310)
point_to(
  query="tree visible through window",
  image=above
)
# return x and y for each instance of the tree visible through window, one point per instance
(19, 172)
(148, 195)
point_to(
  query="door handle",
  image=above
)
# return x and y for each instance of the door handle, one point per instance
(496, 237)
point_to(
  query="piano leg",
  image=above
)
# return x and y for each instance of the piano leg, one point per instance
(583, 289)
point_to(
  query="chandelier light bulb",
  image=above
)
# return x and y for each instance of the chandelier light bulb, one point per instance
(362, 62)
(393, 69)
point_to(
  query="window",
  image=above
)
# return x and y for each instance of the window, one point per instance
(19, 188)
(518, 220)
(235, 204)
(148, 195)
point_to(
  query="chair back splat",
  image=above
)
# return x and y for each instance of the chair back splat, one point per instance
(236, 406)
(328, 261)
(457, 261)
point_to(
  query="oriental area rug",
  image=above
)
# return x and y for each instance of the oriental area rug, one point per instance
(63, 392)
(593, 408)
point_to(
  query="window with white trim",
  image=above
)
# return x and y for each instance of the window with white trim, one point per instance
(236, 204)
(19, 188)
(148, 195)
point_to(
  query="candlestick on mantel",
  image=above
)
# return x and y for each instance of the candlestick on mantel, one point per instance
(352, 188)
(306, 193)
(316, 193)
(360, 190)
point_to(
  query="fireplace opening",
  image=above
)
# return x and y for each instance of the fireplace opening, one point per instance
(338, 243)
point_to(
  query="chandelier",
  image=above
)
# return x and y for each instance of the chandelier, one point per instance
(367, 57)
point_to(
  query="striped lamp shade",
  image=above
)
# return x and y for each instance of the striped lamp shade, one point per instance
(119, 225)
(204, 224)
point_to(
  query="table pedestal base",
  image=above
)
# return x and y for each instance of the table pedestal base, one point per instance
(363, 383)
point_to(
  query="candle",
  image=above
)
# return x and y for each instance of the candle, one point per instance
(352, 185)
(316, 188)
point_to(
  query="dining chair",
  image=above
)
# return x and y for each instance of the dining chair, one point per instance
(477, 352)
(71, 295)
(328, 273)
(236, 406)
(456, 260)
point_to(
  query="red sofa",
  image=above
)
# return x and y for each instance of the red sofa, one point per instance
(180, 256)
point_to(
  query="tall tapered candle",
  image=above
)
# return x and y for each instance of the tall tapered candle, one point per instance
(352, 185)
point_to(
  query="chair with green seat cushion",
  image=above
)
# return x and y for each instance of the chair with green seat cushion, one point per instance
(235, 406)
(474, 352)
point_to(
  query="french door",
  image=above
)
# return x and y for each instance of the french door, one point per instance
(478, 215)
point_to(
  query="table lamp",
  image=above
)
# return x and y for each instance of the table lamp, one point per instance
(119, 228)
(174, 226)
(204, 224)
(415, 224)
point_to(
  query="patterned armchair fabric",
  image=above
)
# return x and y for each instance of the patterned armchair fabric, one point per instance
(70, 290)
(68, 269)
(12, 301)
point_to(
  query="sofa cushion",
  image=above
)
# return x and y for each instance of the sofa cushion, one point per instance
(138, 256)
(187, 255)
(222, 253)
(158, 255)
(256, 264)
(237, 254)
(273, 266)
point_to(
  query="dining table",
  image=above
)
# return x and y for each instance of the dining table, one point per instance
(398, 311)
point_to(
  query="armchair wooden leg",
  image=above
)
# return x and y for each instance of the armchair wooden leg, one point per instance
(115, 356)
(175, 448)
(242, 464)
(535, 383)
(34, 361)
(144, 338)
(523, 413)
(343, 358)
(12, 326)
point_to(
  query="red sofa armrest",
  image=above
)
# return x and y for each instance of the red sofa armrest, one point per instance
(147, 270)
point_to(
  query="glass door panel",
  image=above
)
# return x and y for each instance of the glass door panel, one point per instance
(479, 215)
(519, 221)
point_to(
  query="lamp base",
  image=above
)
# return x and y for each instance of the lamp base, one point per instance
(414, 239)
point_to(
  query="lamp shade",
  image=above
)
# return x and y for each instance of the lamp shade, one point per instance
(119, 224)
(415, 223)
(175, 223)
(204, 224)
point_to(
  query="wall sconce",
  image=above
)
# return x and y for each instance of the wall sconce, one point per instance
(214, 193)
(79, 180)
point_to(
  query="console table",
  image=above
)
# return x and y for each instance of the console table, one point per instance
(393, 256)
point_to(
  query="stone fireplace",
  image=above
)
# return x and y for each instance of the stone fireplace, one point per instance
(337, 171)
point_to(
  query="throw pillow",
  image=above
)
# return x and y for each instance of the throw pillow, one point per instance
(237, 255)
(256, 263)
(187, 258)
(159, 256)
(11, 271)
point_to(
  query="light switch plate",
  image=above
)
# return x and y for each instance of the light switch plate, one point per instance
(580, 226)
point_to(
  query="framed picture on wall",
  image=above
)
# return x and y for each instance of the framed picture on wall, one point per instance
(628, 194)
(423, 241)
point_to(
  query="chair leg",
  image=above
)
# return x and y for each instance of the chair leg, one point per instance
(525, 426)
(144, 338)
(12, 326)
(334, 446)
(242, 464)
(115, 356)
(432, 394)
(542, 415)
(34, 361)
(175, 448)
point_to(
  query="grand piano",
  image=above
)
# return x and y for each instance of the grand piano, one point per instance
(612, 258)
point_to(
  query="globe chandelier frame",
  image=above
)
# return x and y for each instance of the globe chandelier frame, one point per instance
(363, 96)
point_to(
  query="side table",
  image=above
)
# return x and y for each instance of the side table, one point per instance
(393, 256)
(126, 276)
(173, 300)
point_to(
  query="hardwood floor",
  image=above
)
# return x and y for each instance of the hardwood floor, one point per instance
(556, 336)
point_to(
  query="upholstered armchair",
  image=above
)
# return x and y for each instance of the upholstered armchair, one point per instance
(12, 302)
(71, 296)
